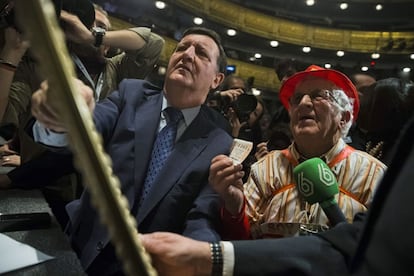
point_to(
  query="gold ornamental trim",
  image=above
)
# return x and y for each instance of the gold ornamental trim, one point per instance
(265, 77)
(273, 28)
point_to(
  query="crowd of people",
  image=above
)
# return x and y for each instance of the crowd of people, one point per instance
(199, 211)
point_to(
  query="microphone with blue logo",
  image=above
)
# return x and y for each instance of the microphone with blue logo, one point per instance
(317, 184)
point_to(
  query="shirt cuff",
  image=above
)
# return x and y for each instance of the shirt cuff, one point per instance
(46, 136)
(228, 258)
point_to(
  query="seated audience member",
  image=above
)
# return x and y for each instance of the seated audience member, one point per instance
(376, 243)
(176, 197)
(322, 105)
(384, 111)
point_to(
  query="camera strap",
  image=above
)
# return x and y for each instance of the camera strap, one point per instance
(98, 86)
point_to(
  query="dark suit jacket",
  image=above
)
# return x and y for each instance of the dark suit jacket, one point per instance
(378, 243)
(181, 200)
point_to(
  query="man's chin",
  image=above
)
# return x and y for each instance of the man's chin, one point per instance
(306, 130)
(179, 78)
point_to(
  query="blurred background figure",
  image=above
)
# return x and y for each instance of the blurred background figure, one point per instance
(385, 107)
(361, 81)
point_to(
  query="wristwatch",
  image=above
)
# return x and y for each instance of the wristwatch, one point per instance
(98, 33)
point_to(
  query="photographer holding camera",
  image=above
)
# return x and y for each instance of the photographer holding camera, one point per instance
(242, 110)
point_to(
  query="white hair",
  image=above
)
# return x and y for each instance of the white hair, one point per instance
(343, 104)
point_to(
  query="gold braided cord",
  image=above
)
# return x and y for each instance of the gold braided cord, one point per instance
(38, 20)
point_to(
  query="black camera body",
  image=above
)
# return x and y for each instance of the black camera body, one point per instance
(243, 106)
(84, 9)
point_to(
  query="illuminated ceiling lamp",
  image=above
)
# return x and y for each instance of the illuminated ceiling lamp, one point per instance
(160, 5)
(310, 2)
(340, 53)
(306, 49)
(343, 6)
(274, 43)
(231, 32)
(198, 20)
(375, 55)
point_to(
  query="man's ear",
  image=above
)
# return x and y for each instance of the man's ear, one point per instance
(217, 81)
(346, 116)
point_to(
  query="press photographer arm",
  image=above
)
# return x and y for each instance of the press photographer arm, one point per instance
(14, 48)
(76, 31)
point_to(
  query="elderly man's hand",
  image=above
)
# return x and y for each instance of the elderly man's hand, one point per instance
(47, 113)
(173, 254)
(226, 179)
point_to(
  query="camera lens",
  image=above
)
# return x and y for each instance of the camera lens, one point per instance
(244, 105)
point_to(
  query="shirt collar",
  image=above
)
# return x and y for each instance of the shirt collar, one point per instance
(327, 157)
(189, 114)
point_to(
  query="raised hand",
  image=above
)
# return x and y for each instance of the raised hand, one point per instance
(226, 179)
(47, 114)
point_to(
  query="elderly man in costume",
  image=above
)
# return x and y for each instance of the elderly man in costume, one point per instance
(322, 106)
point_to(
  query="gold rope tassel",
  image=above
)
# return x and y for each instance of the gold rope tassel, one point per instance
(39, 22)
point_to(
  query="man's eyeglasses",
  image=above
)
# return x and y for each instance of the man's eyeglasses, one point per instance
(317, 95)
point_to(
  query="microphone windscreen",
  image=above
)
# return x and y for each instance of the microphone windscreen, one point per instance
(316, 182)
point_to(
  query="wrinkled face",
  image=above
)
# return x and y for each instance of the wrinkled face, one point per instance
(192, 71)
(313, 115)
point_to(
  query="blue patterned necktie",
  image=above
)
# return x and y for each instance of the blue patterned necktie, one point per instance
(162, 148)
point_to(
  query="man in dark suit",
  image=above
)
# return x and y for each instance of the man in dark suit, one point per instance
(129, 120)
(379, 242)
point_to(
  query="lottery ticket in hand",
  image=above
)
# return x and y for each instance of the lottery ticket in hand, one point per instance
(240, 150)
